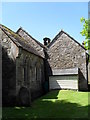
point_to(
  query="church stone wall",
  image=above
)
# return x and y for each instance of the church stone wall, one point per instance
(30, 73)
(66, 53)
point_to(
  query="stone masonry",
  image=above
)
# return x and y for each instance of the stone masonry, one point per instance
(23, 70)
(27, 64)
(35, 44)
(64, 53)
(32, 78)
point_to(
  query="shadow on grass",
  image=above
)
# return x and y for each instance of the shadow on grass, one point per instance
(46, 110)
(51, 95)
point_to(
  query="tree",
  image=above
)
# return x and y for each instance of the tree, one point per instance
(86, 32)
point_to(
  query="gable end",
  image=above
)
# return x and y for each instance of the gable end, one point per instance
(59, 34)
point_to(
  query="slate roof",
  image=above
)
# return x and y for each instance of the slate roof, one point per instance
(43, 46)
(18, 40)
(59, 34)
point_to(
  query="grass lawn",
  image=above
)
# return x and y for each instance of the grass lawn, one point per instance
(55, 104)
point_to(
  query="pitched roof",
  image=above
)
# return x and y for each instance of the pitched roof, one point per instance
(43, 46)
(59, 34)
(18, 40)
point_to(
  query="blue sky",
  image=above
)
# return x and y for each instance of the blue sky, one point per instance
(45, 19)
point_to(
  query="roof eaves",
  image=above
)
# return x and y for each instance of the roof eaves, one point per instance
(27, 48)
(12, 38)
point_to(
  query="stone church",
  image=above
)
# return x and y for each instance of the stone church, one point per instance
(30, 68)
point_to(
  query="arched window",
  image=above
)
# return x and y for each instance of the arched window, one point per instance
(25, 70)
(38, 73)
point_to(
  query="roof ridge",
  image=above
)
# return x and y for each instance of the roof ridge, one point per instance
(31, 37)
(54, 38)
(73, 39)
(62, 31)
(19, 41)
(20, 28)
(4, 27)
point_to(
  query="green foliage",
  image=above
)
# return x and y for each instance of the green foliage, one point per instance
(86, 32)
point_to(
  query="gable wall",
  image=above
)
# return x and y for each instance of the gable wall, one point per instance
(9, 46)
(13, 71)
(31, 42)
(9, 54)
(66, 53)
